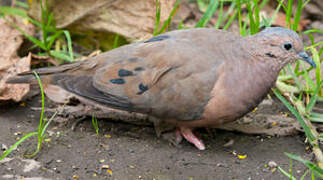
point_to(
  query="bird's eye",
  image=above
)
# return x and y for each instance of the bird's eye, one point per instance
(288, 46)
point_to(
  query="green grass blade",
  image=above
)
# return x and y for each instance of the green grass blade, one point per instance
(304, 175)
(305, 3)
(280, 4)
(69, 44)
(228, 24)
(50, 20)
(307, 163)
(18, 12)
(263, 3)
(40, 125)
(52, 39)
(316, 120)
(115, 41)
(313, 100)
(296, 114)
(208, 14)
(202, 5)
(61, 55)
(316, 117)
(256, 15)
(7, 152)
(169, 20)
(13, 11)
(309, 82)
(229, 12)
(157, 17)
(95, 124)
(313, 31)
(289, 13)
(21, 4)
(252, 23)
(47, 123)
(286, 173)
(297, 15)
(316, 59)
(220, 16)
(296, 80)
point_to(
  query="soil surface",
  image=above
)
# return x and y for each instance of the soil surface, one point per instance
(134, 152)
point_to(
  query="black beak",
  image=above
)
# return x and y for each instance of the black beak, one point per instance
(306, 58)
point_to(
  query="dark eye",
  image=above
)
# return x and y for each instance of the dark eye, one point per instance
(288, 46)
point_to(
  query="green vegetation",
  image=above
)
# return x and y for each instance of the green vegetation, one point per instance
(41, 131)
(50, 34)
(95, 124)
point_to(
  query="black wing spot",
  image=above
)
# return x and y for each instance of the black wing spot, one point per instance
(142, 88)
(139, 69)
(124, 72)
(157, 38)
(118, 81)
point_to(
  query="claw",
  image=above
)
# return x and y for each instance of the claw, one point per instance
(190, 137)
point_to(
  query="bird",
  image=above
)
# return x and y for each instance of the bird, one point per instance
(189, 78)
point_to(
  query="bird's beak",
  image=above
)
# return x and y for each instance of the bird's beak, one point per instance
(306, 58)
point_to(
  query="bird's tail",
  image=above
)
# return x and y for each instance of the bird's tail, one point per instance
(44, 74)
(27, 79)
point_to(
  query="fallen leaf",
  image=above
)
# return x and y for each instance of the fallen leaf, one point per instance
(10, 64)
(281, 21)
(103, 19)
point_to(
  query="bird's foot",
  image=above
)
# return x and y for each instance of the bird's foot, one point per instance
(190, 137)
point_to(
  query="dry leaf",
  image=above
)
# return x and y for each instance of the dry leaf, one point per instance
(10, 64)
(131, 19)
(281, 21)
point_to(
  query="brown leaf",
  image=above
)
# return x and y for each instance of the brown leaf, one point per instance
(281, 21)
(10, 64)
(131, 19)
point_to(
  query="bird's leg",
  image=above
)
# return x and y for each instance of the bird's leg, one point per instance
(190, 137)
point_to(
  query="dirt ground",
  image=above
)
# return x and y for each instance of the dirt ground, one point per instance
(134, 152)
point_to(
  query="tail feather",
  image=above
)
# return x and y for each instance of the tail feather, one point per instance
(28, 79)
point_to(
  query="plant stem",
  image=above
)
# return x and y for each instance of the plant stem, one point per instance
(315, 143)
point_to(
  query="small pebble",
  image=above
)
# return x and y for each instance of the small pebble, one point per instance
(17, 133)
(4, 147)
(229, 143)
(272, 164)
(105, 166)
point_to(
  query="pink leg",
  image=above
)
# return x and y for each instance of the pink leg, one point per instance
(190, 137)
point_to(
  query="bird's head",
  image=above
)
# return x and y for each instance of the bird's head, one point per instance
(282, 45)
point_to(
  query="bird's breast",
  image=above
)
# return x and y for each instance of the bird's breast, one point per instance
(236, 93)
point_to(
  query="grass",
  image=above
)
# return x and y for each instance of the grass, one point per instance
(95, 124)
(41, 131)
(312, 168)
